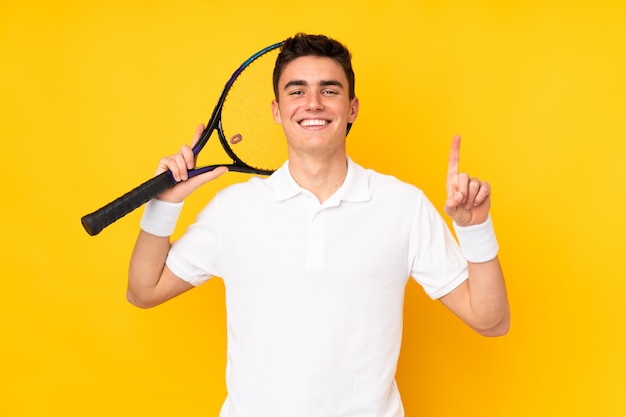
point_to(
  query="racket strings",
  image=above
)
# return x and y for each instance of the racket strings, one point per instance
(247, 122)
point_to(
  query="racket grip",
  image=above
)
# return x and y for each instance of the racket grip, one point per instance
(116, 209)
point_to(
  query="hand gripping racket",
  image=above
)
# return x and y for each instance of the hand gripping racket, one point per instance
(245, 128)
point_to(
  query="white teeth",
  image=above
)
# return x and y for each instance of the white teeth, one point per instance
(313, 122)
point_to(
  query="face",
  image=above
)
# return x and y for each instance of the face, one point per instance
(313, 105)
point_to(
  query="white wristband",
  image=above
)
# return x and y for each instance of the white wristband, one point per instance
(478, 242)
(160, 217)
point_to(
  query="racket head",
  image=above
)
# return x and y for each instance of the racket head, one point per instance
(246, 128)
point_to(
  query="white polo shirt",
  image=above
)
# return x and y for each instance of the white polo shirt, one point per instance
(314, 292)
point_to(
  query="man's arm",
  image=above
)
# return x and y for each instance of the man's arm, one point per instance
(481, 301)
(150, 281)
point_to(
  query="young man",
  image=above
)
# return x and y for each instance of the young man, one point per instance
(316, 257)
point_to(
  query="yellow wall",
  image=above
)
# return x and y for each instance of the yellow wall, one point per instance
(93, 92)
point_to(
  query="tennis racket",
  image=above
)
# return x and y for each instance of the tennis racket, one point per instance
(245, 128)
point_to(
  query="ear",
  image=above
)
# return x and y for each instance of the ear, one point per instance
(354, 110)
(276, 112)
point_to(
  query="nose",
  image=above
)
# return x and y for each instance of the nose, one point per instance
(314, 102)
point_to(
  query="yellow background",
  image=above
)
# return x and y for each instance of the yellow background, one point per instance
(94, 92)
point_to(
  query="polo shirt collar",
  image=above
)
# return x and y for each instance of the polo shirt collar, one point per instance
(355, 187)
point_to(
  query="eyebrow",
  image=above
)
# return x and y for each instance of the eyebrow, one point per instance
(323, 83)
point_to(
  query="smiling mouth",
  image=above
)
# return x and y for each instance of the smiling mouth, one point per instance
(313, 122)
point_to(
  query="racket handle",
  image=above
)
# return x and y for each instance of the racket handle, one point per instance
(101, 218)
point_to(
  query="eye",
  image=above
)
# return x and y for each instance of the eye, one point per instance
(329, 92)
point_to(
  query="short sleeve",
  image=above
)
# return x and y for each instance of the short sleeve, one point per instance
(436, 260)
(195, 256)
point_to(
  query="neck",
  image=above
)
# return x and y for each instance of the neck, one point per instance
(322, 177)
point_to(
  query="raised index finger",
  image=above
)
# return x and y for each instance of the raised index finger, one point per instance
(453, 165)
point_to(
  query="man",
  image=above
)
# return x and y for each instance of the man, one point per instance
(316, 257)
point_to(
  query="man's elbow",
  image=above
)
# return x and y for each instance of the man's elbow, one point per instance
(138, 301)
(500, 328)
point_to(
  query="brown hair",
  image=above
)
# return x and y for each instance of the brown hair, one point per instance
(317, 45)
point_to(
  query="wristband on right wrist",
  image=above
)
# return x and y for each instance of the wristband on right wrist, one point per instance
(478, 242)
(160, 217)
